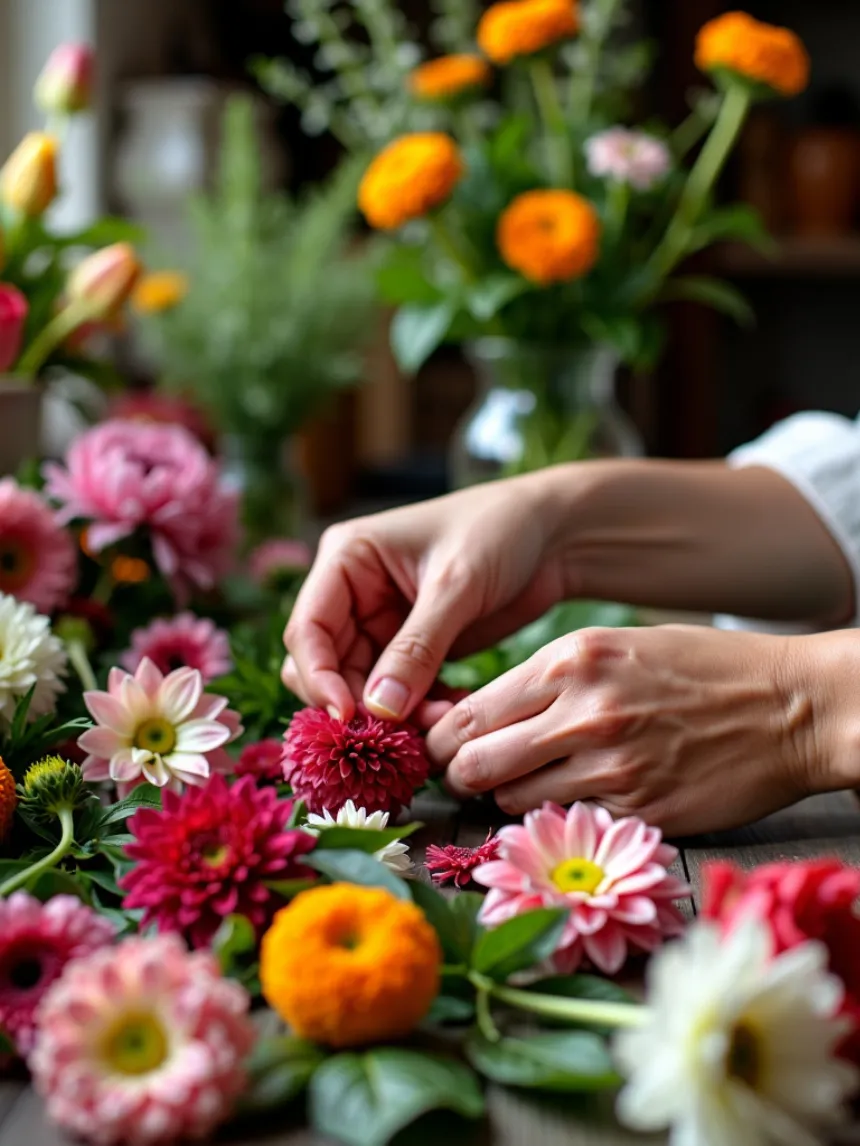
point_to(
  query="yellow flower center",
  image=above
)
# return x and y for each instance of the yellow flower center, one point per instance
(744, 1059)
(215, 854)
(16, 565)
(157, 736)
(136, 1044)
(578, 875)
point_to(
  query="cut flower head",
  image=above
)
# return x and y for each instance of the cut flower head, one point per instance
(395, 856)
(515, 28)
(761, 53)
(409, 178)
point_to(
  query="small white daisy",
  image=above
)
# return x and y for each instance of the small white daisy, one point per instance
(30, 655)
(395, 855)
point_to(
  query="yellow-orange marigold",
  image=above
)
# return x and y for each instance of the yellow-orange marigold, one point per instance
(8, 799)
(549, 236)
(159, 291)
(522, 27)
(449, 76)
(408, 178)
(759, 52)
(347, 966)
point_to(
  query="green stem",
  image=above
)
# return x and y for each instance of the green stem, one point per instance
(484, 1017)
(451, 247)
(49, 861)
(591, 1011)
(618, 202)
(53, 335)
(81, 664)
(104, 587)
(558, 149)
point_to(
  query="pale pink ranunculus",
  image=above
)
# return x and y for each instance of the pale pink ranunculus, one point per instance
(104, 280)
(38, 558)
(183, 641)
(626, 156)
(278, 555)
(65, 85)
(610, 874)
(13, 315)
(121, 476)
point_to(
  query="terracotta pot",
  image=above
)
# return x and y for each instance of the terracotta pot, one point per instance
(20, 423)
(825, 178)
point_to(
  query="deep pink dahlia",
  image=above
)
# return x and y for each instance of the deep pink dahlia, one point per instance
(142, 1044)
(455, 865)
(183, 641)
(207, 854)
(263, 760)
(38, 561)
(37, 940)
(278, 555)
(122, 476)
(376, 763)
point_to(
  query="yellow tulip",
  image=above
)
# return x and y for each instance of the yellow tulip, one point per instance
(28, 182)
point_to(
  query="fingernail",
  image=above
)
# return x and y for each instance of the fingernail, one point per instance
(389, 696)
(333, 712)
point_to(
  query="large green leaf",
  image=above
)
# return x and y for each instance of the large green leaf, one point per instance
(364, 1100)
(144, 796)
(356, 867)
(487, 297)
(520, 943)
(552, 1060)
(719, 295)
(450, 923)
(279, 1069)
(419, 329)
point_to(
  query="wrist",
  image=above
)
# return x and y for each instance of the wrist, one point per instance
(827, 707)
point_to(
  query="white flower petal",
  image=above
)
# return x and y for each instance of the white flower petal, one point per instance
(201, 736)
(179, 695)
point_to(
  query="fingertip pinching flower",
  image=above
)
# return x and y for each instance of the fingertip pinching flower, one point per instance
(630, 157)
(763, 54)
(515, 28)
(549, 236)
(409, 178)
(38, 562)
(30, 655)
(394, 856)
(183, 641)
(611, 874)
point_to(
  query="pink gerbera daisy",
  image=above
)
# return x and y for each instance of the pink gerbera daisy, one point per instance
(142, 1043)
(38, 562)
(450, 864)
(183, 641)
(263, 760)
(124, 476)
(208, 853)
(375, 763)
(611, 874)
(37, 940)
(276, 556)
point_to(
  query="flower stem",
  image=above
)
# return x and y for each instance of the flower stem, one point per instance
(81, 664)
(104, 587)
(52, 336)
(559, 151)
(451, 247)
(484, 1017)
(593, 1011)
(49, 861)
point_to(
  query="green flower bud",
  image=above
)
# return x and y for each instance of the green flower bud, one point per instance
(50, 786)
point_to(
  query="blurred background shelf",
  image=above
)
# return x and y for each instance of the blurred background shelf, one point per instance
(825, 257)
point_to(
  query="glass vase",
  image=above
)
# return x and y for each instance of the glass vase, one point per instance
(539, 406)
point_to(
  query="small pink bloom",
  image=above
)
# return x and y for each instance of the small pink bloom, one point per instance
(183, 641)
(13, 314)
(277, 556)
(66, 83)
(375, 763)
(628, 157)
(160, 728)
(456, 865)
(264, 760)
(37, 940)
(142, 1043)
(611, 874)
(38, 560)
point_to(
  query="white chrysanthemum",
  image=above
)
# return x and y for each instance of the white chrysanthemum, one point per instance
(395, 855)
(738, 1048)
(30, 655)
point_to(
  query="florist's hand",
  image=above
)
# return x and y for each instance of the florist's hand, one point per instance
(689, 728)
(390, 596)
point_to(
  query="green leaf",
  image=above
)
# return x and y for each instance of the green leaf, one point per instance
(56, 882)
(721, 296)
(418, 330)
(356, 867)
(234, 941)
(552, 1061)
(288, 888)
(103, 880)
(144, 796)
(362, 839)
(450, 1009)
(401, 278)
(364, 1100)
(447, 921)
(465, 907)
(737, 223)
(279, 1069)
(486, 298)
(105, 232)
(519, 943)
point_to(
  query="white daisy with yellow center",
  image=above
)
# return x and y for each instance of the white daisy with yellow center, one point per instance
(395, 855)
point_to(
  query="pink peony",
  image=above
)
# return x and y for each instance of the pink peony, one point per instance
(183, 641)
(142, 1043)
(263, 760)
(610, 874)
(37, 940)
(161, 728)
(628, 157)
(376, 763)
(276, 556)
(122, 476)
(456, 865)
(38, 561)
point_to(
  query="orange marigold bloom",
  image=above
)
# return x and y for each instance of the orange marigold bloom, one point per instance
(449, 76)
(759, 52)
(8, 800)
(550, 236)
(160, 291)
(347, 965)
(522, 27)
(408, 178)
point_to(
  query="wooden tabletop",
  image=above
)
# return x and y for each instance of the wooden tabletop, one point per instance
(825, 826)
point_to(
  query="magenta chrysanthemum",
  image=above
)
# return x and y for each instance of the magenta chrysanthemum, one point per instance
(208, 853)
(376, 763)
(38, 562)
(262, 760)
(37, 940)
(610, 874)
(122, 476)
(142, 1043)
(183, 641)
(450, 864)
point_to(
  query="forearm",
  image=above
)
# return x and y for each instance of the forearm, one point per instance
(696, 536)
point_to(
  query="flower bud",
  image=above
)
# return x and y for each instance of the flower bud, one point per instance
(105, 280)
(28, 182)
(66, 83)
(13, 315)
(50, 786)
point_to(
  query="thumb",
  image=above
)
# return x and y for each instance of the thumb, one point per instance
(409, 666)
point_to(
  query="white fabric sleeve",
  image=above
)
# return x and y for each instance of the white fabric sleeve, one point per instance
(820, 455)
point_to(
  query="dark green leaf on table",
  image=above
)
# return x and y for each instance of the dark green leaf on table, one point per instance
(551, 1060)
(356, 867)
(279, 1069)
(362, 839)
(519, 943)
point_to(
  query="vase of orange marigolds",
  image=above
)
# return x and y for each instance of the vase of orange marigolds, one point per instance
(530, 217)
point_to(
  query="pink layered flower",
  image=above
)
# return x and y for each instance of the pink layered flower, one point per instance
(611, 875)
(38, 560)
(142, 1043)
(159, 728)
(124, 476)
(66, 83)
(37, 940)
(13, 315)
(277, 556)
(264, 760)
(183, 641)
(630, 157)
(375, 763)
(454, 865)
(208, 853)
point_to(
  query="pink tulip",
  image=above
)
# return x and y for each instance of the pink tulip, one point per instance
(66, 83)
(105, 280)
(13, 315)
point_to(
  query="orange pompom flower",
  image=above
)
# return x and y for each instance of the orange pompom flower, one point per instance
(759, 52)
(8, 800)
(408, 178)
(550, 236)
(522, 27)
(159, 291)
(449, 76)
(348, 966)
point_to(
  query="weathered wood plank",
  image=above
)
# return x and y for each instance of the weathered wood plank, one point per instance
(10, 1092)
